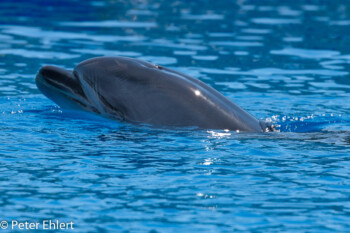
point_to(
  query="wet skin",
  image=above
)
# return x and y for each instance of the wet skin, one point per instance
(137, 91)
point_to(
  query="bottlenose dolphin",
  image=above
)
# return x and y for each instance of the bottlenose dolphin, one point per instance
(137, 91)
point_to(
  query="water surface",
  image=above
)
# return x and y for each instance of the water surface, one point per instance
(285, 62)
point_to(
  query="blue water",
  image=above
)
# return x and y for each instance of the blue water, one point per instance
(284, 61)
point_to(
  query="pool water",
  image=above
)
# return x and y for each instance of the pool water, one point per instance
(286, 62)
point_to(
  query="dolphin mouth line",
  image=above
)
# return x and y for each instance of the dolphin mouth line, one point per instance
(46, 83)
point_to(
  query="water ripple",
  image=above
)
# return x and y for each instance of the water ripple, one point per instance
(110, 24)
(275, 21)
(37, 54)
(306, 53)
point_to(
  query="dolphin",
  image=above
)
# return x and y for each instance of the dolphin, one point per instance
(140, 92)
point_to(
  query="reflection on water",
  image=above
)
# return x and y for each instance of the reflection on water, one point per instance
(285, 62)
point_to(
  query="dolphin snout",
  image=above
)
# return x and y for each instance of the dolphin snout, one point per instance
(60, 79)
(57, 77)
(61, 86)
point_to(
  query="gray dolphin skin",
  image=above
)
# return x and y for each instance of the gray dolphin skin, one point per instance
(140, 92)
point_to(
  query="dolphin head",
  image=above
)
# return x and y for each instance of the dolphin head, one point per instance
(63, 87)
(91, 85)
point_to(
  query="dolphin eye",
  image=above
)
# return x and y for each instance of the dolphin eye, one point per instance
(158, 67)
